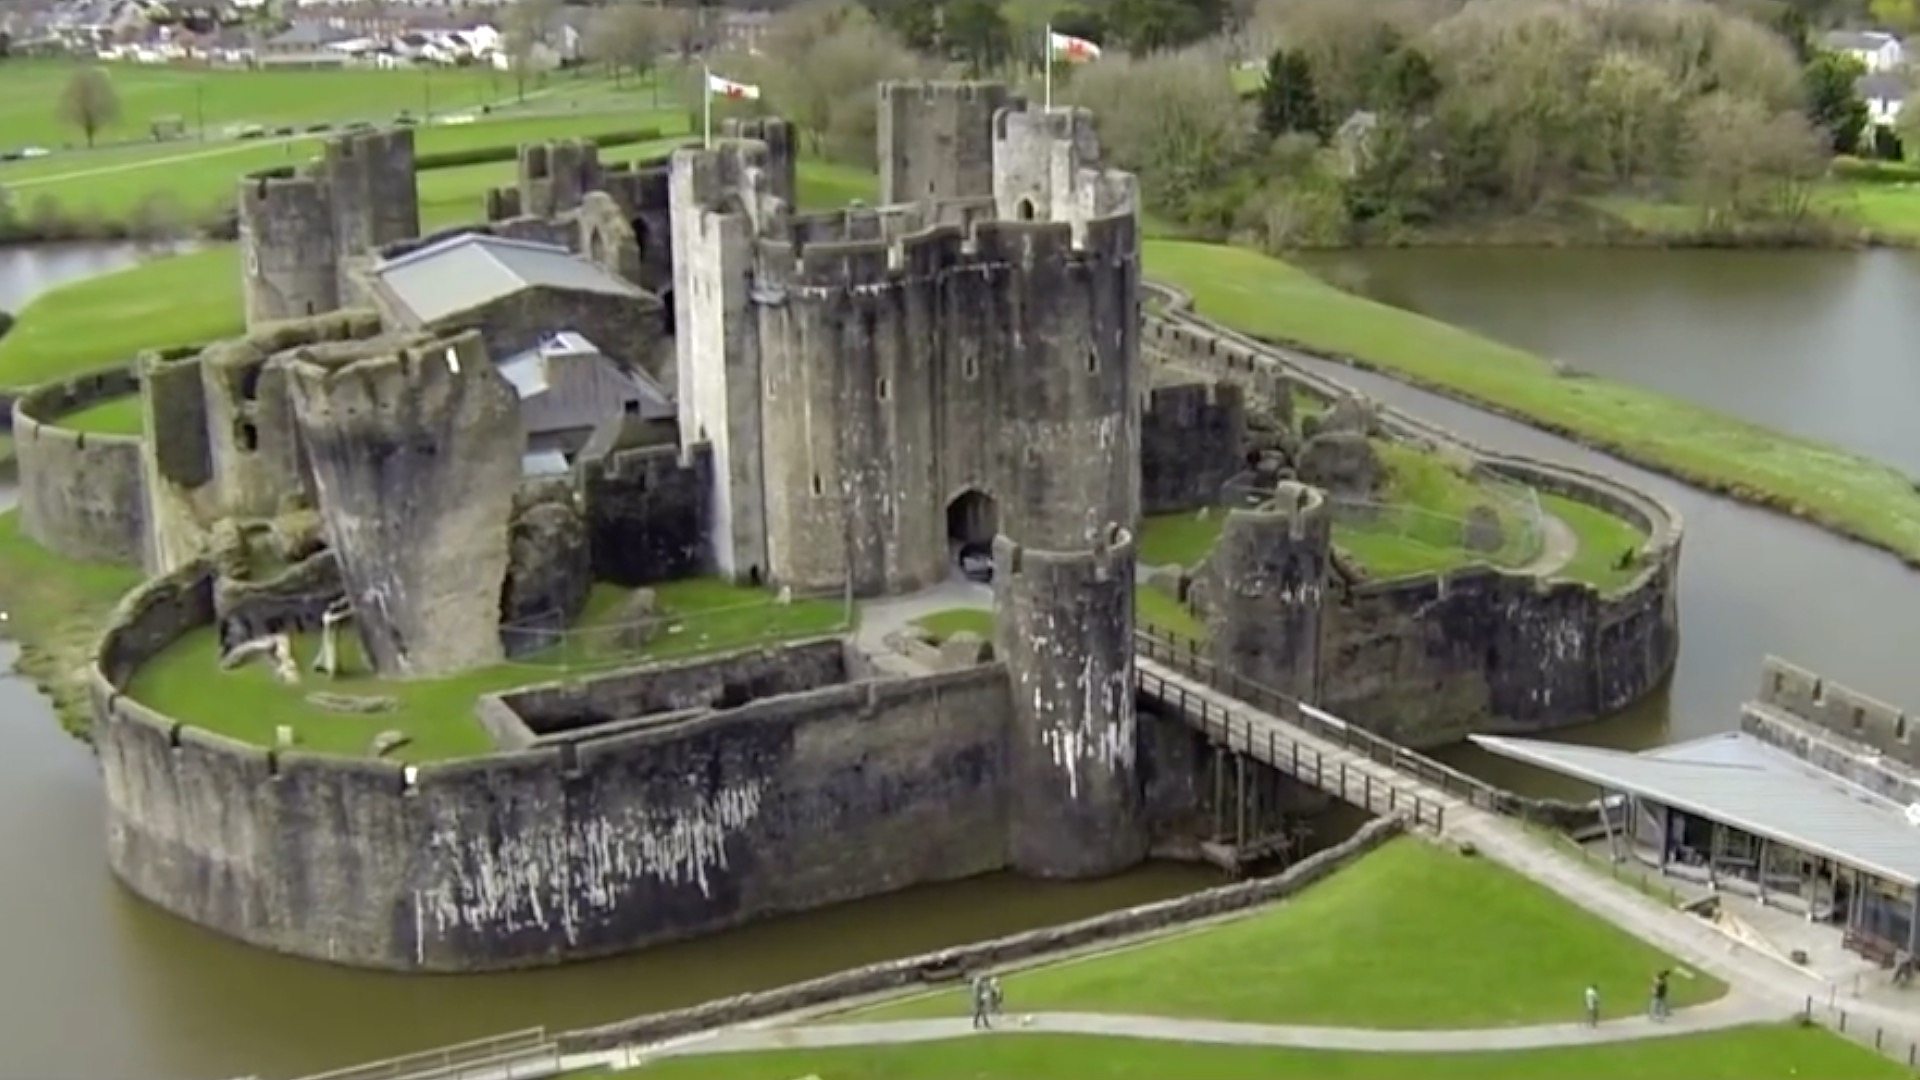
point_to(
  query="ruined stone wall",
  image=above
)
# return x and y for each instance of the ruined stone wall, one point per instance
(1063, 625)
(647, 513)
(1824, 712)
(557, 853)
(370, 185)
(1428, 659)
(289, 267)
(82, 494)
(1192, 441)
(626, 328)
(902, 372)
(936, 139)
(1266, 585)
(415, 452)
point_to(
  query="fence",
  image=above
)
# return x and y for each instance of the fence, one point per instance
(1185, 655)
(1896, 1043)
(518, 1055)
(605, 638)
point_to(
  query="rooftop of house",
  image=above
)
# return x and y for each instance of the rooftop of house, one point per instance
(465, 271)
(1860, 40)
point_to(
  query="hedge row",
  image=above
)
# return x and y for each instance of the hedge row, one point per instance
(1868, 171)
(482, 155)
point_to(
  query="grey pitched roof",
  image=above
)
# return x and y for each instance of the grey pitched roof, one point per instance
(462, 272)
(1863, 40)
(1882, 85)
(1738, 780)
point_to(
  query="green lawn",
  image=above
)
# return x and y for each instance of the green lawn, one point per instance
(1182, 539)
(827, 185)
(55, 608)
(1884, 211)
(103, 321)
(199, 179)
(457, 196)
(1418, 528)
(1603, 539)
(115, 416)
(712, 615)
(1760, 1052)
(1411, 936)
(1155, 610)
(941, 625)
(229, 98)
(1270, 299)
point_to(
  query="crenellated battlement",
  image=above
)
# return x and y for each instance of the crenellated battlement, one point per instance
(865, 248)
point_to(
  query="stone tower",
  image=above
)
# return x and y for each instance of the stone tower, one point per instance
(1046, 167)
(1265, 584)
(415, 454)
(936, 139)
(369, 178)
(288, 267)
(555, 176)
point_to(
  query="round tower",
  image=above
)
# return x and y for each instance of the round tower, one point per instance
(1070, 424)
(1063, 623)
(936, 139)
(287, 264)
(1265, 584)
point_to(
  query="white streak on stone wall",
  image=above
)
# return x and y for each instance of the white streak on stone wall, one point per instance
(545, 875)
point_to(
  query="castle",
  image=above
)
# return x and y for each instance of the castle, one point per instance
(640, 373)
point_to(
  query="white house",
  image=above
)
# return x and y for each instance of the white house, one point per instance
(1884, 93)
(1876, 51)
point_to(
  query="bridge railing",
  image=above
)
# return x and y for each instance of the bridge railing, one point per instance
(1353, 786)
(526, 1054)
(1187, 656)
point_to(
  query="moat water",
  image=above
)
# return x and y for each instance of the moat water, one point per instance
(28, 270)
(96, 983)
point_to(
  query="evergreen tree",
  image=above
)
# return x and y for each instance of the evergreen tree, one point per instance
(1288, 101)
(1832, 103)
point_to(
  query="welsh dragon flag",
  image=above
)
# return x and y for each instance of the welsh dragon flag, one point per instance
(1071, 49)
(733, 91)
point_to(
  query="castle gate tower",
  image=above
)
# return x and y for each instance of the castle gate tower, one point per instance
(1265, 583)
(287, 264)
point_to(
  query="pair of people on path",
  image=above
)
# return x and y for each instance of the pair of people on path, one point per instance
(1656, 1006)
(986, 1000)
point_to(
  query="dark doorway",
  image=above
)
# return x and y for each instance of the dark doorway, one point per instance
(972, 519)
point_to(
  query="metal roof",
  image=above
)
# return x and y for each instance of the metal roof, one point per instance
(1740, 781)
(465, 271)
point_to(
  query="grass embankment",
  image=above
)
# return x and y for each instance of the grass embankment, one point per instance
(1413, 936)
(696, 616)
(1270, 299)
(55, 608)
(1605, 542)
(1760, 1052)
(104, 321)
(1419, 526)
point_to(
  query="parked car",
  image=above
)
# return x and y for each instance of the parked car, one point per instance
(976, 562)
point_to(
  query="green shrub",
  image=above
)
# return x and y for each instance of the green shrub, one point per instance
(1864, 171)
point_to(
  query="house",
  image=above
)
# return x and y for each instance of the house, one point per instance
(1884, 93)
(517, 293)
(1876, 50)
(571, 394)
(743, 31)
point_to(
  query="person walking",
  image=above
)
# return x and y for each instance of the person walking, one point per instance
(1659, 1009)
(982, 1001)
(1593, 1005)
(995, 999)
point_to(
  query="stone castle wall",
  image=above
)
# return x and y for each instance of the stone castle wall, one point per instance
(1428, 659)
(81, 493)
(1192, 442)
(1842, 731)
(592, 846)
(647, 513)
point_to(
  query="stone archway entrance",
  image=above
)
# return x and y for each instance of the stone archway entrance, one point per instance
(972, 519)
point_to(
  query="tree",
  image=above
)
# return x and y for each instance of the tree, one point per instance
(1899, 15)
(1144, 26)
(1174, 119)
(1288, 101)
(1833, 105)
(627, 36)
(917, 22)
(818, 66)
(527, 25)
(1745, 163)
(1636, 114)
(89, 103)
(977, 33)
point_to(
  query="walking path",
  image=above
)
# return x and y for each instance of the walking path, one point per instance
(1731, 1011)
(1558, 545)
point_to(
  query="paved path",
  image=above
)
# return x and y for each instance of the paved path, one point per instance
(1557, 547)
(1732, 1011)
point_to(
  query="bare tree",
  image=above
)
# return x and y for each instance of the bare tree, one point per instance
(528, 22)
(1746, 163)
(819, 64)
(88, 102)
(627, 36)
(1174, 118)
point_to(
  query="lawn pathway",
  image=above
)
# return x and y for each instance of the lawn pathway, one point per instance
(1727, 1012)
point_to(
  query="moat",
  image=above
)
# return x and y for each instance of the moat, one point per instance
(169, 999)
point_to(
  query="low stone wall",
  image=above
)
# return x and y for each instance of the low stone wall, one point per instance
(1427, 660)
(553, 852)
(82, 494)
(949, 964)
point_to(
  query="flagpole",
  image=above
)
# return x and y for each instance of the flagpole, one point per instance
(1046, 51)
(706, 106)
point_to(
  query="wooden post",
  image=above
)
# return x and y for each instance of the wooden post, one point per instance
(1913, 925)
(1240, 782)
(1713, 855)
(1666, 835)
(1760, 874)
(1219, 793)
